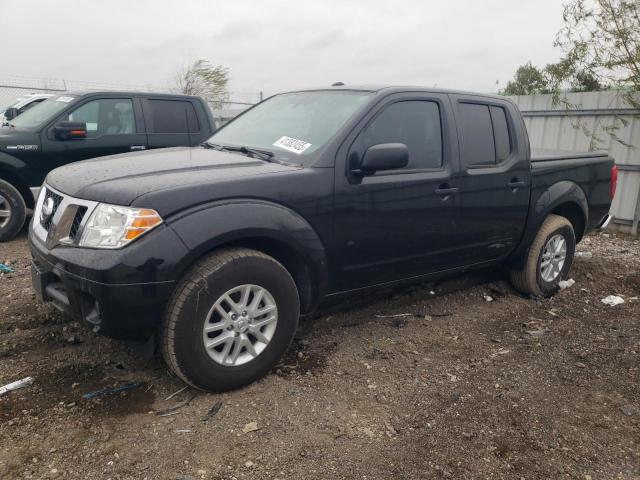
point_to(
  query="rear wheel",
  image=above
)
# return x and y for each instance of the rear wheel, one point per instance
(13, 211)
(230, 320)
(549, 258)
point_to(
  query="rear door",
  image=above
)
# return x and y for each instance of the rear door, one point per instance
(494, 180)
(112, 127)
(170, 122)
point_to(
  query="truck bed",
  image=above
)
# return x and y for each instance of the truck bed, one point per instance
(545, 155)
(590, 171)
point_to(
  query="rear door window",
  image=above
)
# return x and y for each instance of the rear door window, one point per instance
(478, 146)
(485, 134)
(173, 116)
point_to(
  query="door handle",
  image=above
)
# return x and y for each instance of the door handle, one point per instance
(515, 183)
(134, 148)
(445, 191)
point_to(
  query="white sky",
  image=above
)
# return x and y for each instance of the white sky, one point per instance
(276, 45)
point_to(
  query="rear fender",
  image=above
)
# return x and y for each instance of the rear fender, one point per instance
(544, 203)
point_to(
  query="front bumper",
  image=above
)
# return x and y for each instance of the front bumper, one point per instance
(119, 293)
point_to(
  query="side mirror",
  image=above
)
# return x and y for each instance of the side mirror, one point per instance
(70, 130)
(11, 113)
(385, 156)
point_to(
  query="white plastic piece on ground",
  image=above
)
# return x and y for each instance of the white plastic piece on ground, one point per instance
(25, 382)
(488, 298)
(612, 300)
(566, 283)
(584, 254)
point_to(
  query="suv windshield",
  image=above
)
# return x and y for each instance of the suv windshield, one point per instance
(292, 124)
(42, 112)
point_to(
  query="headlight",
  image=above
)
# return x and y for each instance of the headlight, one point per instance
(112, 226)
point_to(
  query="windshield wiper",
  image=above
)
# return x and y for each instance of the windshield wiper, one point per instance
(265, 155)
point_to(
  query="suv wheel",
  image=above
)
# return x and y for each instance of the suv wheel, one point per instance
(230, 320)
(13, 211)
(549, 259)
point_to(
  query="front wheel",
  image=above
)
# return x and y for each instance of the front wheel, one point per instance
(230, 320)
(549, 258)
(13, 211)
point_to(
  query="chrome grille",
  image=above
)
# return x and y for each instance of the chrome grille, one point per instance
(47, 221)
(77, 221)
(61, 220)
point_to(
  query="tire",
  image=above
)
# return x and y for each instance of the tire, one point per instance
(12, 202)
(182, 333)
(530, 280)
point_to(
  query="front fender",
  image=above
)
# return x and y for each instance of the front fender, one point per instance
(207, 227)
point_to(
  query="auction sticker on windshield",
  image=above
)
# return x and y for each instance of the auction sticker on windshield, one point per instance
(292, 144)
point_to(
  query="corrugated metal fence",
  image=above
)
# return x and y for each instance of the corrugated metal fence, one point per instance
(583, 122)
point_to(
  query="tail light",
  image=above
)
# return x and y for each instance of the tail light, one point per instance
(614, 181)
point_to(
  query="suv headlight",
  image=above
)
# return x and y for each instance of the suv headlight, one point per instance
(112, 226)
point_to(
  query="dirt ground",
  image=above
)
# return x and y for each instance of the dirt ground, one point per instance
(400, 384)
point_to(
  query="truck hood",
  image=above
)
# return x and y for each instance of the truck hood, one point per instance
(120, 179)
(13, 137)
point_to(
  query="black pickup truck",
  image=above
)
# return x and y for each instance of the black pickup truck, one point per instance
(69, 127)
(308, 195)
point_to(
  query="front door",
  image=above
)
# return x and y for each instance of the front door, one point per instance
(111, 129)
(396, 224)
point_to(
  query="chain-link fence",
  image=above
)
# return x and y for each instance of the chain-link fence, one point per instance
(13, 87)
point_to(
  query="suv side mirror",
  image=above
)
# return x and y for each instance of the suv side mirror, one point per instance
(70, 130)
(384, 156)
(11, 113)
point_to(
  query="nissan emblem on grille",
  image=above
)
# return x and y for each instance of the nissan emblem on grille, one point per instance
(47, 209)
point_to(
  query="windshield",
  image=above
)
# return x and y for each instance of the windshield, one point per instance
(292, 125)
(42, 112)
(12, 104)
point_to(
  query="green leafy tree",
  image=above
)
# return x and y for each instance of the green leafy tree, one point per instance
(601, 45)
(528, 80)
(205, 80)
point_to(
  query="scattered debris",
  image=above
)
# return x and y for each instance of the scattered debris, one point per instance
(566, 283)
(6, 268)
(110, 391)
(173, 410)
(627, 410)
(73, 340)
(397, 315)
(175, 393)
(612, 300)
(399, 322)
(584, 254)
(250, 427)
(25, 382)
(212, 411)
(538, 333)
(182, 431)
(249, 464)
(488, 298)
(581, 365)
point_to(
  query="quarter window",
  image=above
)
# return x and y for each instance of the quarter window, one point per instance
(173, 116)
(107, 116)
(413, 123)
